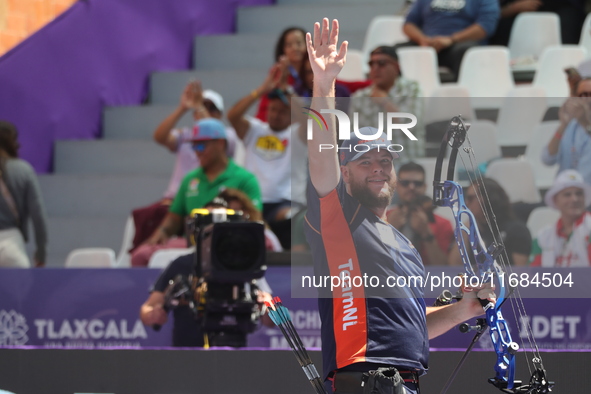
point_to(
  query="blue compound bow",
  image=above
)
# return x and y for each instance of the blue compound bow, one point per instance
(486, 264)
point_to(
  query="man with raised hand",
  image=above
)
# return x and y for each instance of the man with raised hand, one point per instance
(364, 327)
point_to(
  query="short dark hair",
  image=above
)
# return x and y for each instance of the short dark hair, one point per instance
(278, 94)
(9, 138)
(411, 166)
(281, 42)
(385, 50)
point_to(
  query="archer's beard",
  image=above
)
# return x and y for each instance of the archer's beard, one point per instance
(363, 194)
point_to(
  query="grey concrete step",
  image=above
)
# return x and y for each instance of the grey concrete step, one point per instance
(166, 87)
(223, 51)
(68, 233)
(253, 50)
(98, 195)
(113, 157)
(273, 19)
(137, 122)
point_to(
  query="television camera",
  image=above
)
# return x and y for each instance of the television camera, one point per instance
(222, 291)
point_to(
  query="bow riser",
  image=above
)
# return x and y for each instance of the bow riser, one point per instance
(474, 253)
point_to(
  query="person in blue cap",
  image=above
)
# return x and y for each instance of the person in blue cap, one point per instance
(199, 186)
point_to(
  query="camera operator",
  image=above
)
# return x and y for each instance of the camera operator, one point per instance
(413, 216)
(187, 330)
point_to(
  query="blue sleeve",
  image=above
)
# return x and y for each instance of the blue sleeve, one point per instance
(415, 15)
(488, 16)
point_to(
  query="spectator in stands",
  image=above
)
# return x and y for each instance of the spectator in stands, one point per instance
(570, 146)
(513, 233)
(217, 171)
(272, 147)
(566, 243)
(289, 50)
(509, 11)
(571, 13)
(413, 216)
(389, 92)
(204, 104)
(20, 199)
(451, 27)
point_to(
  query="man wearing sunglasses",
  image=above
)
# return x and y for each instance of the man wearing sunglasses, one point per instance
(413, 216)
(570, 146)
(199, 186)
(202, 104)
(389, 92)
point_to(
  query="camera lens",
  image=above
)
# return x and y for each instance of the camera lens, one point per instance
(237, 249)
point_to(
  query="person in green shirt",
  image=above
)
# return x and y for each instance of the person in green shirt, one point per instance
(199, 186)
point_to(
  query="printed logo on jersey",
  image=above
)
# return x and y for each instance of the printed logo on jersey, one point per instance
(270, 147)
(193, 185)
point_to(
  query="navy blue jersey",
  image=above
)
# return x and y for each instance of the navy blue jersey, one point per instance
(384, 324)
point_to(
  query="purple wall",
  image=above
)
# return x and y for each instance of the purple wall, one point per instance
(100, 52)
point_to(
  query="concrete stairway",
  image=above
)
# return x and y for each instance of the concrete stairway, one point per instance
(96, 184)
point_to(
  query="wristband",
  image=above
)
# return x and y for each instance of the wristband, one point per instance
(254, 94)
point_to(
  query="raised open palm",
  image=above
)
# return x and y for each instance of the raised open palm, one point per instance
(326, 62)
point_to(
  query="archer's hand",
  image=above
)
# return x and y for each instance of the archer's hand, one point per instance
(473, 294)
(326, 62)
